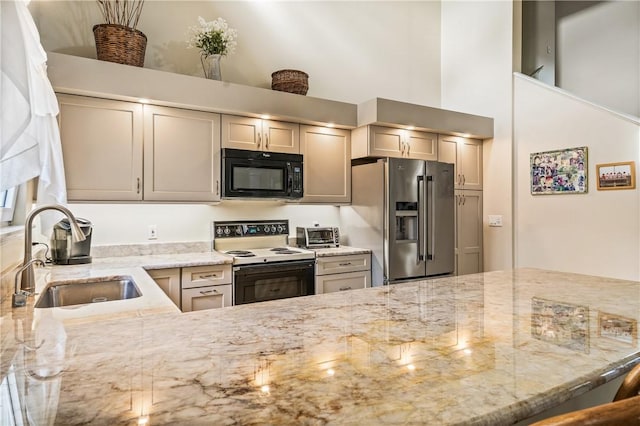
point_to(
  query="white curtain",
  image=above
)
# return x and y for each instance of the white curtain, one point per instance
(29, 134)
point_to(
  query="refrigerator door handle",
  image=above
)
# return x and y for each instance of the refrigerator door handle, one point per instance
(432, 216)
(421, 220)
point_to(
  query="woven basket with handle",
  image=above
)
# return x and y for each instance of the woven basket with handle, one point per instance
(117, 43)
(292, 81)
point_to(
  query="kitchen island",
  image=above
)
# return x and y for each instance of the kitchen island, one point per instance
(491, 348)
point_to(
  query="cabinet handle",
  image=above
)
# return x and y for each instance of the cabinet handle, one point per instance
(259, 139)
(274, 290)
(266, 141)
(464, 200)
(203, 292)
(408, 149)
(345, 264)
(217, 187)
(344, 288)
(464, 180)
(214, 275)
(137, 185)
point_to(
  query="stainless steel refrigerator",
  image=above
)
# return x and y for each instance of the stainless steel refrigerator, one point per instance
(404, 211)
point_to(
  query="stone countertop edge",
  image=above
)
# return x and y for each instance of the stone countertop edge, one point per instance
(340, 251)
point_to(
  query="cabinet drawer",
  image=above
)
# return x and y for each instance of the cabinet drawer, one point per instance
(342, 282)
(212, 297)
(200, 276)
(340, 264)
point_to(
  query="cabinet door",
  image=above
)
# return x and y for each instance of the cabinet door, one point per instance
(200, 298)
(327, 164)
(471, 163)
(169, 281)
(386, 142)
(278, 136)
(241, 132)
(181, 155)
(421, 145)
(343, 282)
(466, 155)
(469, 232)
(448, 153)
(102, 148)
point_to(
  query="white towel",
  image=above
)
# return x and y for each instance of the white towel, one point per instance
(29, 135)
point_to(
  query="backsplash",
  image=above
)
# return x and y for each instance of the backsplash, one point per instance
(145, 249)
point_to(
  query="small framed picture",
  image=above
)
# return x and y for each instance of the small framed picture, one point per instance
(618, 328)
(616, 176)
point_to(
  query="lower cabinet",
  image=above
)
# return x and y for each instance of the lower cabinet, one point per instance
(206, 287)
(468, 232)
(196, 288)
(169, 281)
(343, 272)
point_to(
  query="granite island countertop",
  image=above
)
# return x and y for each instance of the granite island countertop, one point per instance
(490, 348)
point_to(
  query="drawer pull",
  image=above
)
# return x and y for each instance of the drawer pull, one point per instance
(209, 276)
(208, 291)
(274, 290)
(344, 288)
(345, 264)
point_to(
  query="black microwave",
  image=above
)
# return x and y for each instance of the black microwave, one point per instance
(258, 174)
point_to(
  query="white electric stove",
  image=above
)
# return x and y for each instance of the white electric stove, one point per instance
(265, 267)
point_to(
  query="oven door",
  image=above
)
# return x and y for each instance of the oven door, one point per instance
(249, 174)
(270, 281)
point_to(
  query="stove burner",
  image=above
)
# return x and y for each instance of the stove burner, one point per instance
(284, 250)
(241, 253)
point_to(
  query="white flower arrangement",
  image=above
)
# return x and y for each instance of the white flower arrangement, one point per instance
(213, 37)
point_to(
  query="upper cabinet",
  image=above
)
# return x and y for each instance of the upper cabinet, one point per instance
(181, 155)
(260, 135)
(378, 141)
(102, 148)
(103, 145)
(466, 155)
(327, 164)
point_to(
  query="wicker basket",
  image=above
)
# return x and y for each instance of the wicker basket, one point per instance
(117, 43)
(291, 81)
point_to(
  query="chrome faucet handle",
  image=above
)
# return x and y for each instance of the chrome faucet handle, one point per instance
(19, 298)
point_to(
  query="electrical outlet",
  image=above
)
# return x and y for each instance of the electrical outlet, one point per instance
(153, 232)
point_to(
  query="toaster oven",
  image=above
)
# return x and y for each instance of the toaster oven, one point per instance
(318, 237)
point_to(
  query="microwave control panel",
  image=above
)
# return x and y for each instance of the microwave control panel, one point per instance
(239, 229)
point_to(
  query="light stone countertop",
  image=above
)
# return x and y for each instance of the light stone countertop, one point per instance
(339, 251)
(489, 349)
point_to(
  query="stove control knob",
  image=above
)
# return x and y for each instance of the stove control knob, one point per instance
(219, 231)
(226, 230)
(280, 228)
(273, 229)
(239, 230)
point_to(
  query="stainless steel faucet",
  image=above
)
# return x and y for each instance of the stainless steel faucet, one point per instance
(20, 295)
(28, 282)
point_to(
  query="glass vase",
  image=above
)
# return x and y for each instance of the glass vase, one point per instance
(211, 66)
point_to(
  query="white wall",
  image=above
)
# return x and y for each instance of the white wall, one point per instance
(353, 51)
(597, 233)
(599, 52)
(476, 78)
(129, 223)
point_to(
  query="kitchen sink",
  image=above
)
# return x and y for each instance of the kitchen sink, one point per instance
(95, 291)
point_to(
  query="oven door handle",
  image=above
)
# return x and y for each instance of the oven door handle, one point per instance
(291, 266)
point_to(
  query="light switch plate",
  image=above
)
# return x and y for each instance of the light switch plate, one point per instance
(495, 220)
